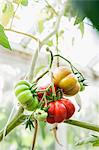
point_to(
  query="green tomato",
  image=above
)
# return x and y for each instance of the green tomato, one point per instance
(20, 88)
(40, 115)
(82, 87)
(25, 96)
(32, 105)
(23, 82)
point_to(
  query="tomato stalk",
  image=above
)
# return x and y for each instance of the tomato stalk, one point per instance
(83, 125)
(35, 134)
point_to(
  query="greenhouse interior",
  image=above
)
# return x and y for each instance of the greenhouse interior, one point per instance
(49, 75)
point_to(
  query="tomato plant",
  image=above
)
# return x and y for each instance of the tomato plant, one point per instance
(46, 103)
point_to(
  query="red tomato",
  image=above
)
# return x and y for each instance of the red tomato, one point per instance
(70, 107)
(60, 110)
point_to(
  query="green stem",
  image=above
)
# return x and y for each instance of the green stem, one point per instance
(51, 8)
(25, 34)
(16, 121)
(35, 135)
(82, 124)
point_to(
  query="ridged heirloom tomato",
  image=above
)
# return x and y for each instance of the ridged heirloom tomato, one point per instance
(60, 110)
(66, 80)
(24, 95)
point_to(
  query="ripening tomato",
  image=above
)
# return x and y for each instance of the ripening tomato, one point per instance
(66, 80)
(60, 110)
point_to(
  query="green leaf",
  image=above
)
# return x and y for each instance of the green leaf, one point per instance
(90, 8)
(7, 13)
(24, 2)
(50, 43)
(79, 18)
(94, 140)
(40, 26)
(3, 38)
(81, 27)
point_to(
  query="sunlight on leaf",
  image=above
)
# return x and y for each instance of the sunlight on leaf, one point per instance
(40, 26)
(79, 19)
(81, 27)
(24, 2)
(3, 38)
(7, 13)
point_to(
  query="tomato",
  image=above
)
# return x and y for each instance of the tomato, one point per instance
(40, 115)
(70, 107)
(48, 93)
(60, 110)
(66, 80)
(25, 96)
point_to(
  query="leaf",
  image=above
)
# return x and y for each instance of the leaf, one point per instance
(7, 13)
(79, 18)
(81, 27)
(90, 9)
(50, 43)
(24, 2)
(40, 26)
(3, 38)
(94, 140)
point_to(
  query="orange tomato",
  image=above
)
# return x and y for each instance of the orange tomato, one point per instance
(66, 80)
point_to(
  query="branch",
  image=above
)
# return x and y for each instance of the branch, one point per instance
(14, 15)
(51, 7)
(83, 125)
(35, 134)
(26, 34)
(56, 26)
(16, 121)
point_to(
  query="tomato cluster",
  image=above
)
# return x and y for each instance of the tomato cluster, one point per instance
(46, 106)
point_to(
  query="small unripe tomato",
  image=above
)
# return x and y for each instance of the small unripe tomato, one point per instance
(66, 80)
(24, 95)
(40, 115)
(60, 110)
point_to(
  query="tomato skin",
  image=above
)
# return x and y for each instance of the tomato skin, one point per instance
(66, 80)
(40, 115)
(70, 107)
(25, 96)
(57, 111)
(60, 110)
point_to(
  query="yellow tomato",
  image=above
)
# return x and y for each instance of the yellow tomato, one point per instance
(66, 80)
